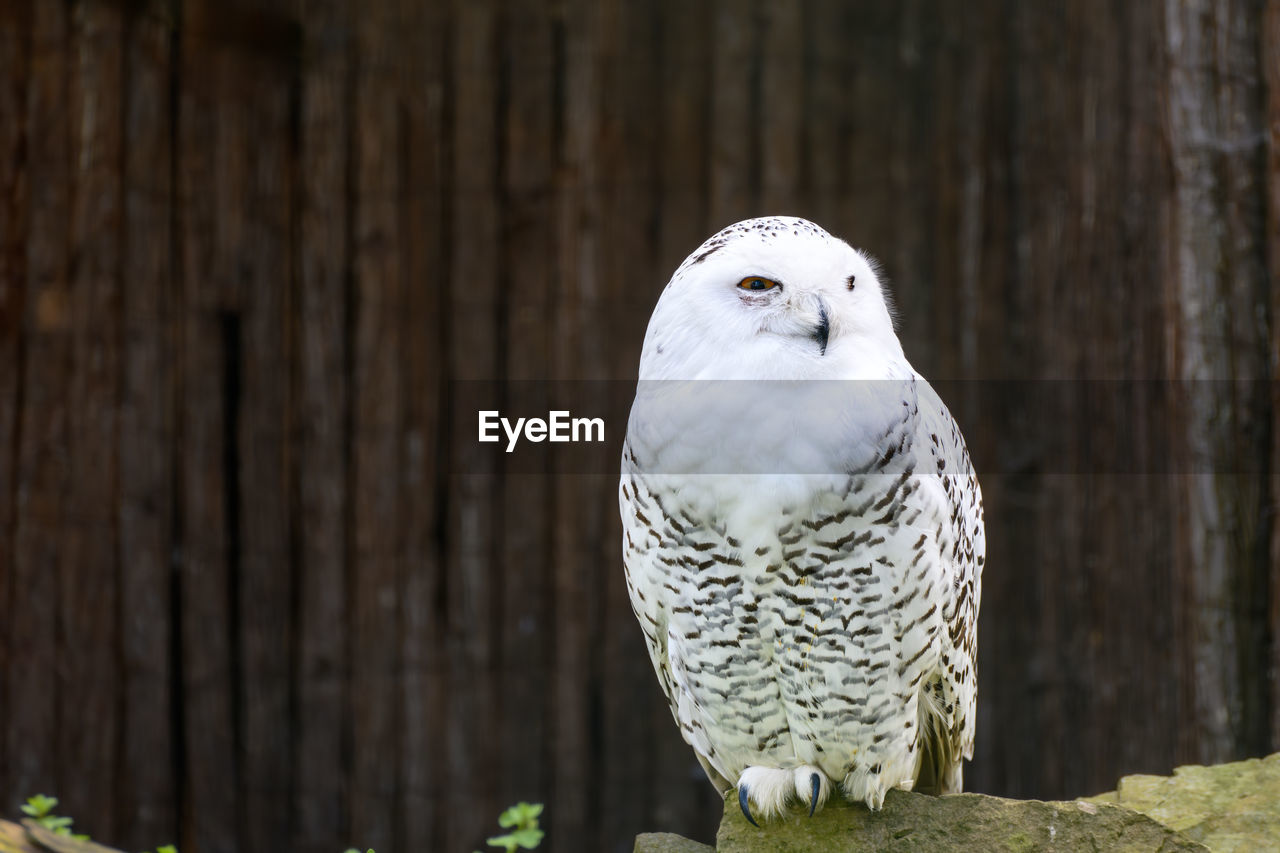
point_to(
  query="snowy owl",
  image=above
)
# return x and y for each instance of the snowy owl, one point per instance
(802, 528)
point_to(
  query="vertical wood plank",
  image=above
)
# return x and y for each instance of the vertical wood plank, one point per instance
(917, 49)
(15, 29)
(146, 790)
(1001, 342)
(735, 116)
(1116, 602)
(41, 470)
(471, 533)
(929, 314)
(1141, 204)
(322, 402)
(426, 154)
(528, 232)
(868, 205)
(1053, 228)
(578, 352)
(1093, 175)
(826, 109)
(1215, 129)
(1243, 487)
(685, 93)
(1037, 178)
(779, 127)
(379, 284)
(210, 175)
(1269, 36)
(88, 568)
(264, 586)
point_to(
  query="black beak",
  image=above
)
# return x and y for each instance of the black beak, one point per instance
(823, 330)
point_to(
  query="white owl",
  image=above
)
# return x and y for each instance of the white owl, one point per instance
(803, 533)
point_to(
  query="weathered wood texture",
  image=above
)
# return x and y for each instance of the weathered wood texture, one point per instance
(260, 587)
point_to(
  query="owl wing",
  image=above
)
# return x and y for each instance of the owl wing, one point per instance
(951, 695)
(648, 569)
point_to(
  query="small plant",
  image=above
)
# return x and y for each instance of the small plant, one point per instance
(40, 809)
(522, 820)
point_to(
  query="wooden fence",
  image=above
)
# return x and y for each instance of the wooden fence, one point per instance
(261, 589)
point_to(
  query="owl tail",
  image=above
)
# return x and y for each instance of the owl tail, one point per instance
(938, 766)
(723, 785)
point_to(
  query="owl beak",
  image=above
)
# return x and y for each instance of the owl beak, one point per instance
(822, 331)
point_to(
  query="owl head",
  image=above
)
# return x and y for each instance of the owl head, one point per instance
(772, 298)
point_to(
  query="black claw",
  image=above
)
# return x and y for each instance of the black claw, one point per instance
(746, 810)
(816, 783)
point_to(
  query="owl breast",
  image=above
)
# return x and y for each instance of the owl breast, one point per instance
(797, 627)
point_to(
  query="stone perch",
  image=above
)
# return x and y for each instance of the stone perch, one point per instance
(29, 837)
(1220, 809)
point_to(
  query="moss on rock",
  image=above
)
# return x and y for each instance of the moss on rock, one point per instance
(912, 822)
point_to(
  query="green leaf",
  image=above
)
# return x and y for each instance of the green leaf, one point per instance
(167, 848)
(60, 825)
(523, 819)
(528, 838)
(521, 814)
(40, 805)
(506, 842)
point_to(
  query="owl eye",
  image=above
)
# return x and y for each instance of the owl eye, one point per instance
(755, 282)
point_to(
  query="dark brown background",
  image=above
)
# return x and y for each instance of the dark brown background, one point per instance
(262, 590)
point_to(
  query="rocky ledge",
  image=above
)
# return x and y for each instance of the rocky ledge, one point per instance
(1224, 808)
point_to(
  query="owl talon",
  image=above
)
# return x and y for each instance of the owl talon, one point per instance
(816, 782)
(746, 809)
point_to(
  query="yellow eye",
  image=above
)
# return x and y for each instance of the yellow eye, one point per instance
(757, 283)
